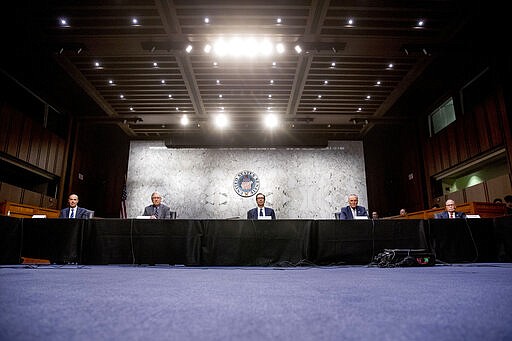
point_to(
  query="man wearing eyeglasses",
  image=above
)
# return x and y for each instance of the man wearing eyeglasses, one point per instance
(157, 210)
(450, 212)
(261, 212)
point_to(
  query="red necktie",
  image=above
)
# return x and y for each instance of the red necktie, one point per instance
(452, 215)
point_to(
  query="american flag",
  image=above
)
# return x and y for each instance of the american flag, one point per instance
(124, 195)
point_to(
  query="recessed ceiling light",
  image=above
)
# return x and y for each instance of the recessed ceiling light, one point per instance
(279, 20)
(63, 22)
(206, 20)
(135, 22)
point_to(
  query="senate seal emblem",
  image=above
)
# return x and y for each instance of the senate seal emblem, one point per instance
(246, 183)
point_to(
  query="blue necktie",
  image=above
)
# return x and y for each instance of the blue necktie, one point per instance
(72, 213)
(156, 212)
(261, 212)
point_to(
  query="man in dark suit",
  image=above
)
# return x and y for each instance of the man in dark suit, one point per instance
(261, 212)
(348, 213)
(73, 211)
(157, 210)
(450, 212)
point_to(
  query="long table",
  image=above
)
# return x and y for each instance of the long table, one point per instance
(249, 243)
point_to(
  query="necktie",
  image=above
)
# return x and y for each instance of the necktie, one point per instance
(451, 215)
(261, 212)
(72, 213)
(156, 212)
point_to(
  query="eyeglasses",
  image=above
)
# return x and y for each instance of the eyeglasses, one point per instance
(156, 197)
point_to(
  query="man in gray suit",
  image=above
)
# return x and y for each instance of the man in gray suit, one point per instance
(157, 210)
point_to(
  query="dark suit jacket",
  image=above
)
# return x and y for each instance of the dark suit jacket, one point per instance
(346, 212)
(444, 215)
(253, 214)
(164, 212)
(81, 213)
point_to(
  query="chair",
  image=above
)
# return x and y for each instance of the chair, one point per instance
(173, 214)
(337, 215)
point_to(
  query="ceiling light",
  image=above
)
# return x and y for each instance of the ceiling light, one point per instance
(271, 121)
(131, 109)
(189, 48)
(206, 20)
(221, 121)
(135, 22)
(319, 96)
(278, 20)
(184, 120)
(390, 66)
(63, 22)
(155, 64)
(377, 83)
(333, 64)
(162, 81)
(121, 96)
(314, 109)
(298, 49)
(271, 81)
(326, 82)
(280, 48)
(368, 97)
(218, 81)
(207, 48)
(170, 96)
(274, 64)
(350, 22)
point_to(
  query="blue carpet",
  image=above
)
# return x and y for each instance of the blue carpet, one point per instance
(458, 302)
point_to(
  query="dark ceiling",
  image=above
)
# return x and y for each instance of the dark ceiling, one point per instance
(314, 99)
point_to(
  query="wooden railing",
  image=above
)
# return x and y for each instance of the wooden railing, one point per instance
(16, 210)
(483, 209)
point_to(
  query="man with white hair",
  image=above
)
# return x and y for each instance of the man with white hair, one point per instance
(450, 212)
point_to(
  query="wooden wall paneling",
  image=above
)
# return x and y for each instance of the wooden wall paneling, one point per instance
(436, 153)
(457, 196)
(444, 152)
(4, 122)
(495, 122)
(451, 145)
(470, 126)
(52, 154)
(428, 156)
(476, 193)
(482, 123)
(59, 161)
(35, 145)
(49, 202)
(24, 150)
(14, 134)
(43, 153)
(462, 146)
(31, 198)
(9, 192)
(499, 187)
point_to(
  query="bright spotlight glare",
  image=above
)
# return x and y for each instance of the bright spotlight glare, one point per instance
(207, 48)
(271, 121)
(184, 120)
(298, 49)
(221, 121)
(280, 48)
(189, 48)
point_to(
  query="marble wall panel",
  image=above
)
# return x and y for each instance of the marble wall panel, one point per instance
(198, 183)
